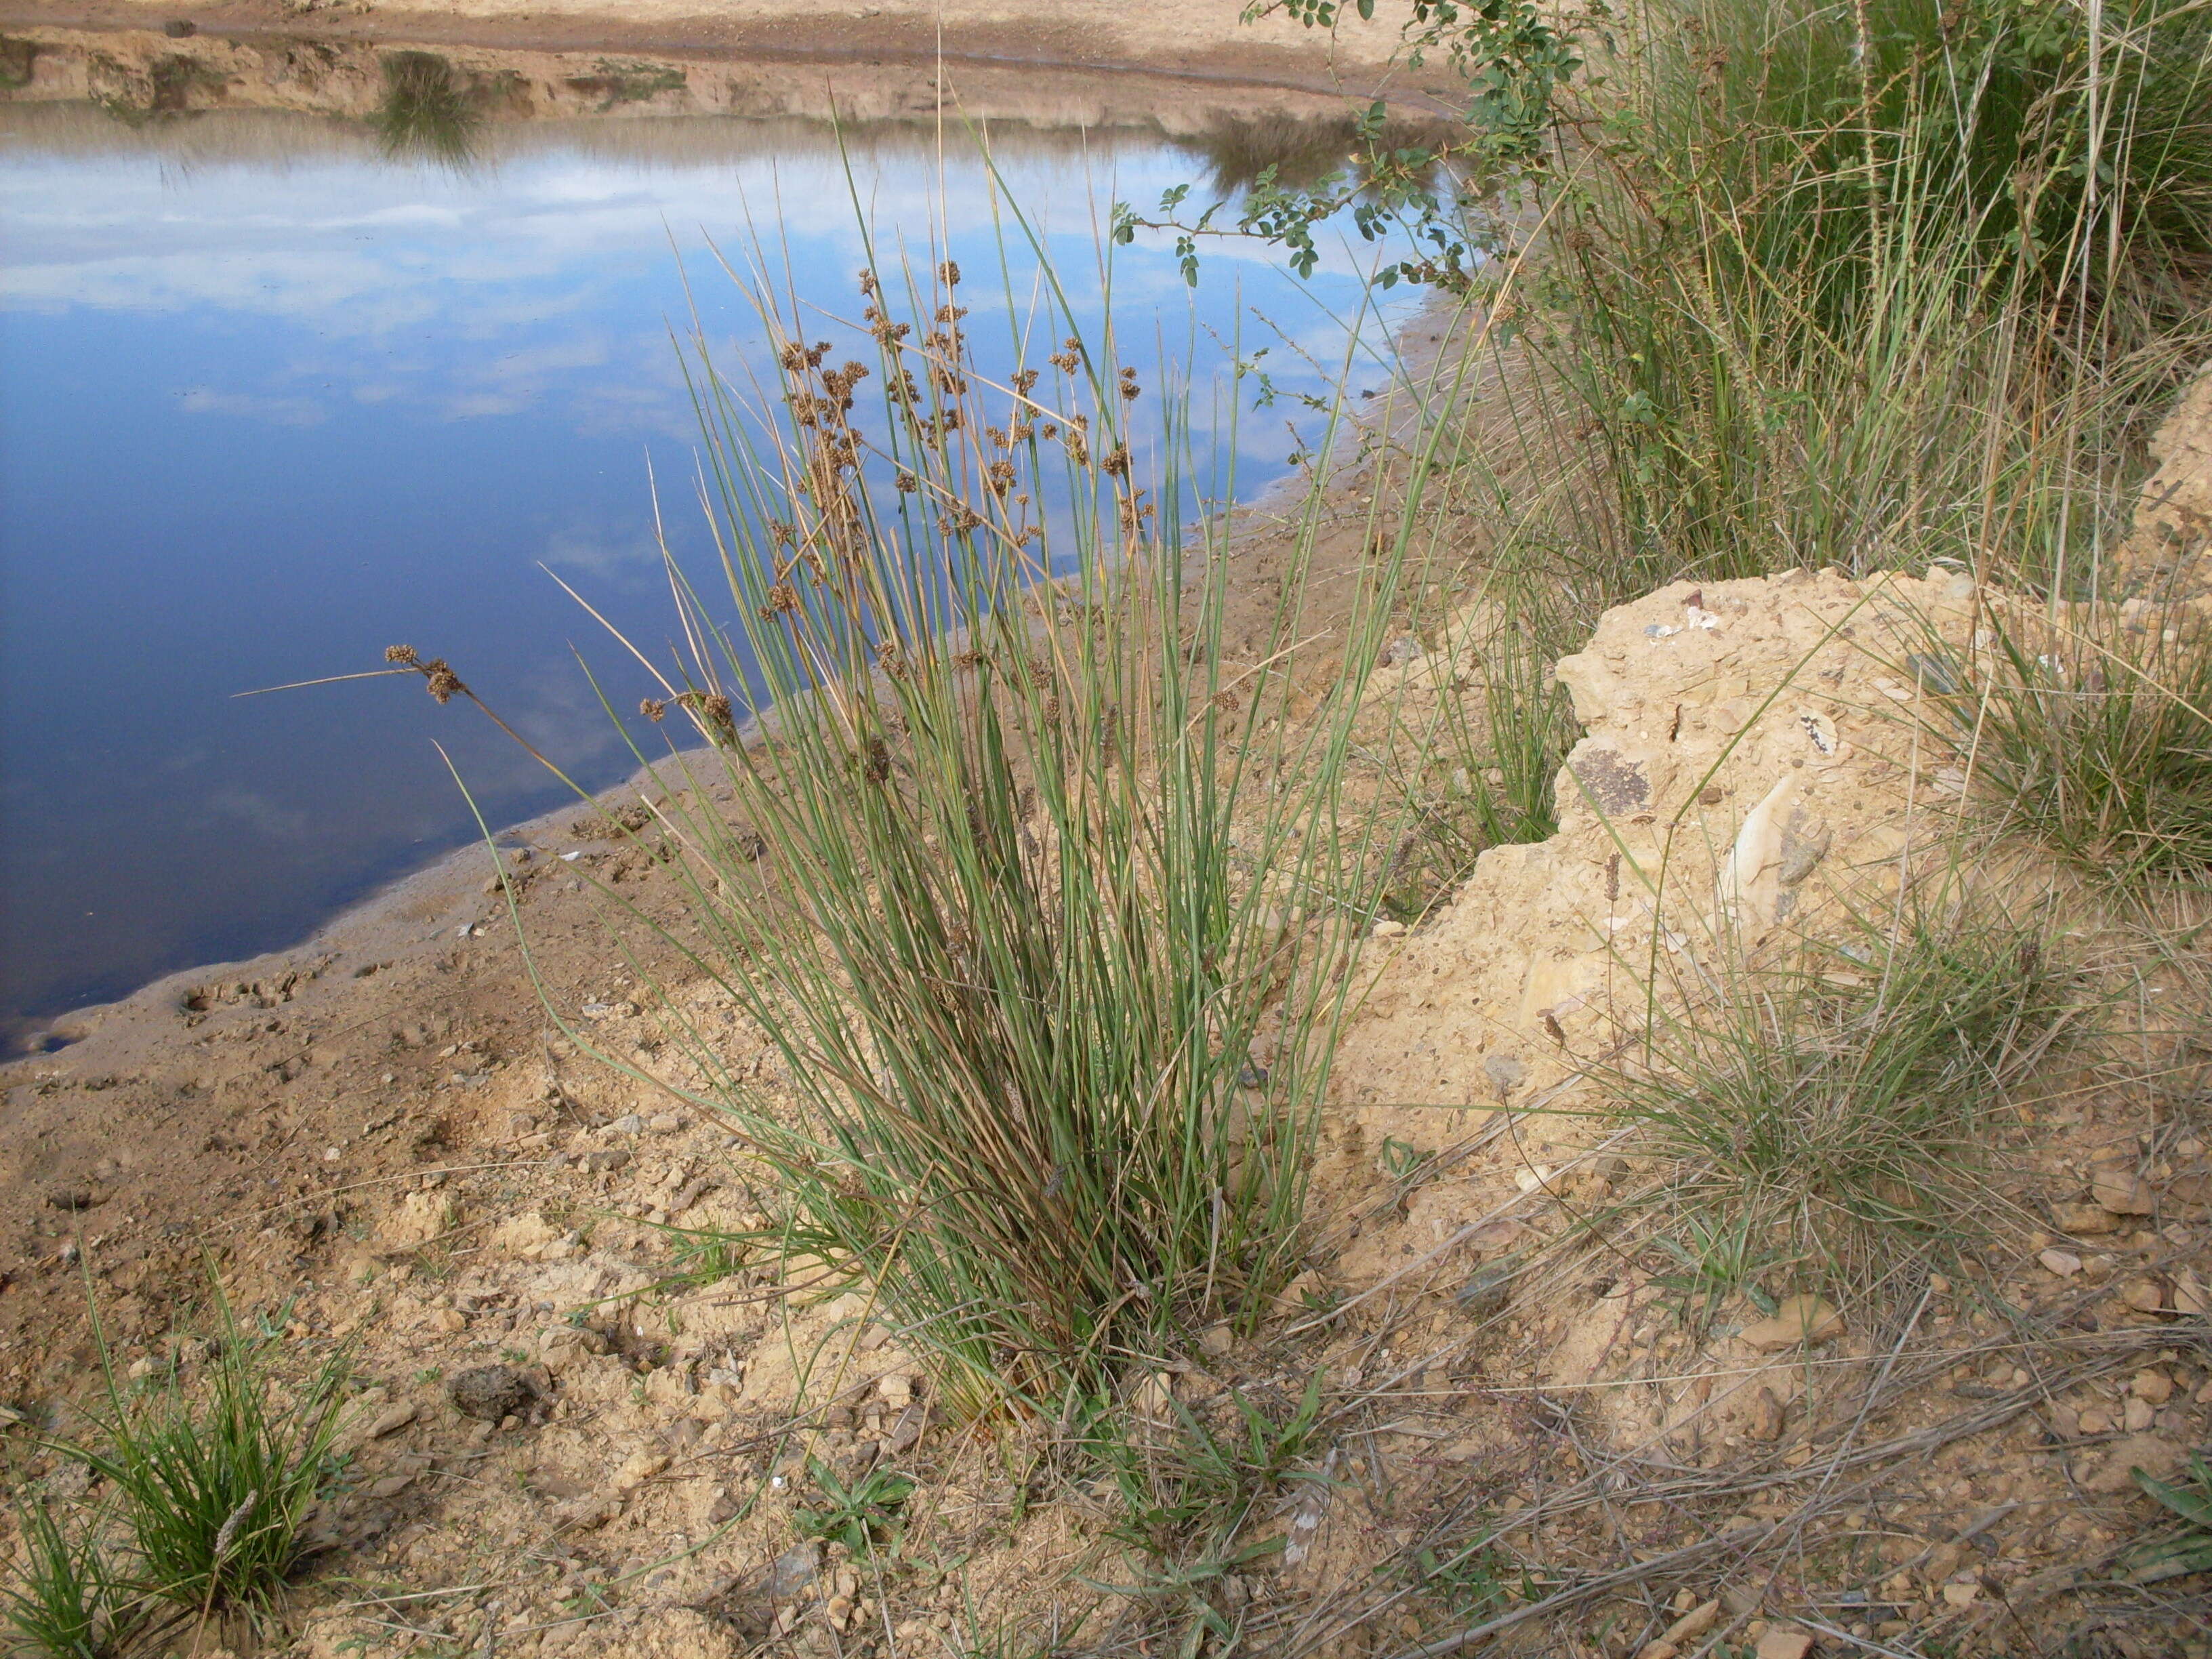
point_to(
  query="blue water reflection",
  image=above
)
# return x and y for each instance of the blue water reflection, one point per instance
(265, 411)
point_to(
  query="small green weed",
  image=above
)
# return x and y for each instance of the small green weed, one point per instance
(1187, 1495)
(1718, 1256)
(1469, 1582)
(1185, 1490)
(2188, 1547)
(707, 1256)
(860, 1516)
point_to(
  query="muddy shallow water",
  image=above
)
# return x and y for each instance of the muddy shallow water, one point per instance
(271, 400)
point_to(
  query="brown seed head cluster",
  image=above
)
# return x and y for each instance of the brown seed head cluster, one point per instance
(876, 760)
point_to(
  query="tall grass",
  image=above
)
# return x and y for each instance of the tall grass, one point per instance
(1877, 285)
(1874, 287)
(1046, 905)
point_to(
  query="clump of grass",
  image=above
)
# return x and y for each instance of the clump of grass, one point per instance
(214, 1493)
(1020, 873)
(1826, 1121)
(16, 59)
(66, 1602)
(427, 109)
(2096, 740)
(1811, 286)
(2184, 1546)
(1503, 730)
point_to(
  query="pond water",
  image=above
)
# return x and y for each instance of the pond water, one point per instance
(270, 401)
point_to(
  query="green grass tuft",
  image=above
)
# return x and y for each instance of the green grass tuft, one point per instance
(427, 109)
(2097, 742)
(64, 1601)
(1824, 1123)
(214, 1493)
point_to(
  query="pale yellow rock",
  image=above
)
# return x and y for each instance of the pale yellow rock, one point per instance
(525, 1235)
(418, 1219)
(2154, 1454)
(1800, 1318)
(2085, 1220)
(1723, 726)
(638, 1468)
(1782, 1642)
(1750, 885)
(1767, 1419)
(374, 1416)
(2143, 1295)
(2117, 1188)
(1154, 1396)
(1693, 1624)
(561, 1347)
(2153, 1385)
(2063, 1263)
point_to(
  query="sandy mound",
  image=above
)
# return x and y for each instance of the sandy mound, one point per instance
(1751, 748)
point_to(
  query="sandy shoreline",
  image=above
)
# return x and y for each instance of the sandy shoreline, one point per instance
(1205, 40)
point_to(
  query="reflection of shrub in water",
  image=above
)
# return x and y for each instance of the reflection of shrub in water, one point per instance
(165, 88)
(426, 109)
(620, 81)
(16, 57)
(1238, 150)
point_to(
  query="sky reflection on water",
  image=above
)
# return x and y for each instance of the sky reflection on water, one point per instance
(269, 406)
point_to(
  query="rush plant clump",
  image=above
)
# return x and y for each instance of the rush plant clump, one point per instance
(1047, 907)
